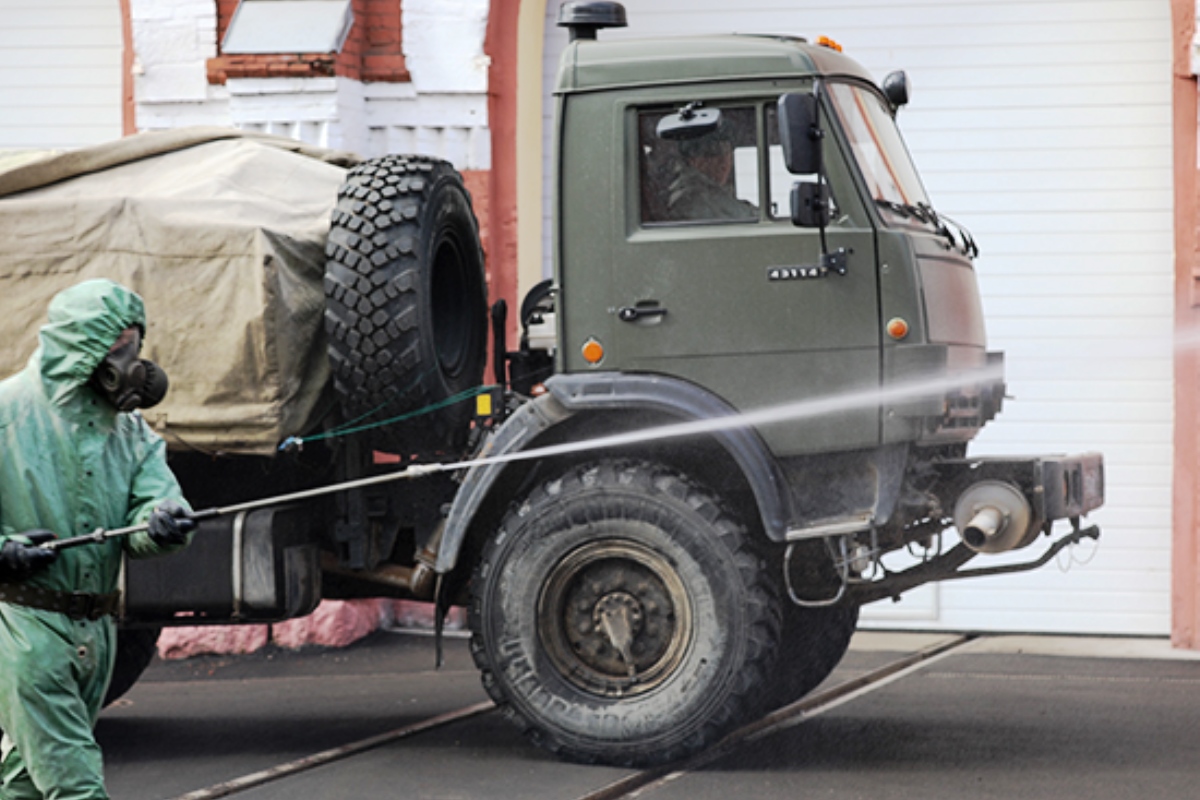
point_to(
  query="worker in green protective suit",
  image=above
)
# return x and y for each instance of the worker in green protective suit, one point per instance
(76, 457)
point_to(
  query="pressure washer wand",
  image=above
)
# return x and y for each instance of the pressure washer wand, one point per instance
(101, 534)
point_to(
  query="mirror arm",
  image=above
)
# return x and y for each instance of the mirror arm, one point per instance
(836, 261)
(818, 135)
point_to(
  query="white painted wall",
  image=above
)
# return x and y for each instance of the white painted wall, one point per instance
(172, 39)
(442, 112)
(1045, 127)
(60, 73)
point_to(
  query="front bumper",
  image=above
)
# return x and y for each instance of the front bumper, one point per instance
(1056, 488)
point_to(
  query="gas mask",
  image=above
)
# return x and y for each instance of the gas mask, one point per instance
(129, 382)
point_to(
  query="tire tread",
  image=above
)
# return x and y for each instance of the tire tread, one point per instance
(761, 596)
(374, 296)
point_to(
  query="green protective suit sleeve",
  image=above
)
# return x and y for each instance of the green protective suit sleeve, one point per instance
(71, 464)
(153, 482)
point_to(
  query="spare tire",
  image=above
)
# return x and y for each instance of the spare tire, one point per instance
(406, 302)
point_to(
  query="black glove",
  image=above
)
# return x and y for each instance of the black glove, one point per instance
(170, 524)
(21, 557)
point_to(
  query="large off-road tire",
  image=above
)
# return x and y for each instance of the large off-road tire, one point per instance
(406, 300)
(813, 642)
(620, 615)
(135, 650)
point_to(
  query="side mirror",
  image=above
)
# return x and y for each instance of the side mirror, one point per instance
(896, 89)
(690, 122)
(799, 133)
(810, 205)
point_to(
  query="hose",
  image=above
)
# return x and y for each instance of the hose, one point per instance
(102, 534)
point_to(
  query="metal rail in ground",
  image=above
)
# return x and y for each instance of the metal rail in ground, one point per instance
(635, 782)
(231, 787)
(781, 719)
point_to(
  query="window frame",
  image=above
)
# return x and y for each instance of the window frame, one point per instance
(656, 110)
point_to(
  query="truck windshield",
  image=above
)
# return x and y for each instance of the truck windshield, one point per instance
(879, 150)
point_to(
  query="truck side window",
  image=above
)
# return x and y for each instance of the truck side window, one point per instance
(711, 178)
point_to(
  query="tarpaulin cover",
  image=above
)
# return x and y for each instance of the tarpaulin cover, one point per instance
(222, 234)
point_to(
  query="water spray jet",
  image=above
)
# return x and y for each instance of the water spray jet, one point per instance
(801, 409)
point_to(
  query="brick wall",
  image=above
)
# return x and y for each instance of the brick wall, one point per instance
(382, 56)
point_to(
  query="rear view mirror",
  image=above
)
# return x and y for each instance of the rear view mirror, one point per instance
(897, 89)
(799, 133)
(690, 122)
(810, 205)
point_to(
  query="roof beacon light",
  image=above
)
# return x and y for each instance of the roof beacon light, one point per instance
(825, 41)
(584, 19)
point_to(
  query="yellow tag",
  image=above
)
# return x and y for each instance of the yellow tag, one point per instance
(483, 405)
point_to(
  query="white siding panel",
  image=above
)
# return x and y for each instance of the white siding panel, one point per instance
(1125, 283)
(60, 73)
(1129, 395)
(1004, 240)
(37, 58)
(1044, 126)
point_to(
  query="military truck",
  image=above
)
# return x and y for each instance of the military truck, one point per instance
(749, 386)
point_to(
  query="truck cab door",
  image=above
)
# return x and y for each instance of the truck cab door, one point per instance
(712, 283)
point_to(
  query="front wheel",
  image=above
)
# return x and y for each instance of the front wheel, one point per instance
(621, 615)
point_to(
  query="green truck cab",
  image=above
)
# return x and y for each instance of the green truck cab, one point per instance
(740, 303)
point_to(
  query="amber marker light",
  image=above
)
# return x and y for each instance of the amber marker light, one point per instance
(593, 351)
(897, 328)
(825, 41)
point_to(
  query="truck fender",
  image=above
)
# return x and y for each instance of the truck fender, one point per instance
(569, 395)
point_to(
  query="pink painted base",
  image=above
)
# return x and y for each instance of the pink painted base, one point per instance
(335, 623)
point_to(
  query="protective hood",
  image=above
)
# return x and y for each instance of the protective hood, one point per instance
(84, 322)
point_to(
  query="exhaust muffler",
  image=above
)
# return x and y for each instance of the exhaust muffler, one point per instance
(994, 517)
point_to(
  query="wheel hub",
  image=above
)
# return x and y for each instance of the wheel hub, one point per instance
(619, 616)
(614, 618)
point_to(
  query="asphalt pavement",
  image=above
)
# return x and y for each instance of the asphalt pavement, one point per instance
(1002, 717)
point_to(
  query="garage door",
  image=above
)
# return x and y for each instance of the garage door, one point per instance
(1044, 127)
(60, 73)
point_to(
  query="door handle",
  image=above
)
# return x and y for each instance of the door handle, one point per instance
(635, 313)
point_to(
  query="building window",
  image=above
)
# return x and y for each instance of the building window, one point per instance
(288, 26)
(357, 39)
